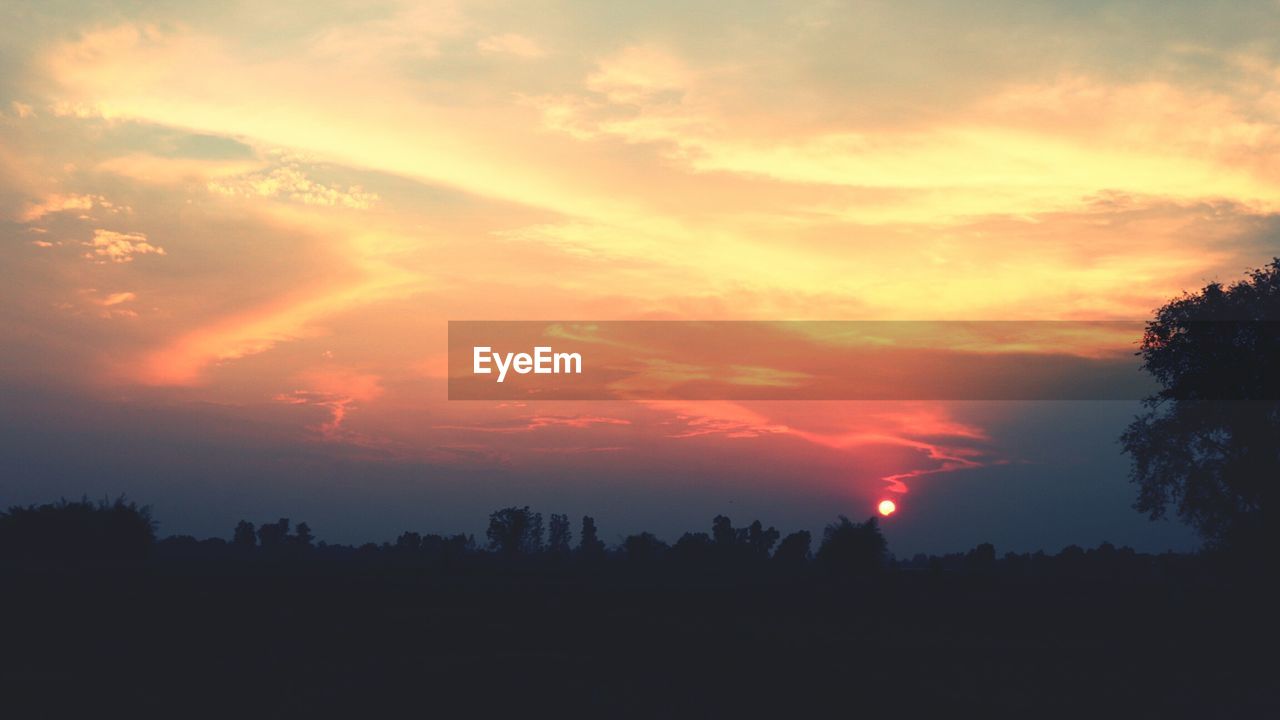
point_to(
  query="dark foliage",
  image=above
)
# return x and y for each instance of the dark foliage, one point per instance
(793, 551)
(694, 550)
(514, 532)
(643, 548)
(273, 535)
(852, 549)
(590, 545)
(713, 625)
(559, 536)
(1209, 443)
(76, 534)
(246, 535)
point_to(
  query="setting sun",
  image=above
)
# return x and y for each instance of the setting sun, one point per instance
(887, 507)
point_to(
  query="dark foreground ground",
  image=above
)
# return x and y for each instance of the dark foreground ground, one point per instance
(257, 640)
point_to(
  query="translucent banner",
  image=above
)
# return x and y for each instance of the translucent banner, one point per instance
(800, 360)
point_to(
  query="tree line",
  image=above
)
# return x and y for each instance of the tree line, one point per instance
(121, 533)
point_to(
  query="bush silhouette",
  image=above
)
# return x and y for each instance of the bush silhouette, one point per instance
(643, 548)
(76, 534)
(850, 548)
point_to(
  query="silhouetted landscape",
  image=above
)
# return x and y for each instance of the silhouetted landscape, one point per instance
(541, 616)
(477, 359)
(731, 618)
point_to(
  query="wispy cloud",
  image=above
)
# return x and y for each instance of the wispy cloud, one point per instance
(55, 204)
(118, 247)
(291, 182)
(538, 422)
(339, 392)
(940, 443)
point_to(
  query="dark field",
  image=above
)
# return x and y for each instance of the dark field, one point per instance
(370, 634)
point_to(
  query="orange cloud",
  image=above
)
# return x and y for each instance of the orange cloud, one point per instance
(116, 299)
(292, 183)
(54, 204)
(118, 247)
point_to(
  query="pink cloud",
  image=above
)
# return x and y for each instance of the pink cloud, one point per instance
(538, 422)
(338, 391)
(943, 442)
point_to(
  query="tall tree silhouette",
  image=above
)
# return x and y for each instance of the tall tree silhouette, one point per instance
(722, 531)
(589, 543)
(760, 541)
(303, 535)
(559, 536)
(1209, 442)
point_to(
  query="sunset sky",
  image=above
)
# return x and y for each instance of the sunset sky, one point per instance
(232, 235)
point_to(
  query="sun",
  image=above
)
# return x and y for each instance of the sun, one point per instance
(887, 507)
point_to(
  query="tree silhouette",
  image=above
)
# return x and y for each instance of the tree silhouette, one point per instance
(246, 535)
(409, 542)
(589, 543)
(793, 551)
(850, 548)
(760, 541)
(271, 535)
(982, 558)
(693, 549)
(515, 531)
(722, 531)
(559, 536)
(643, 548)
(1209, 443)
(302, 535)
